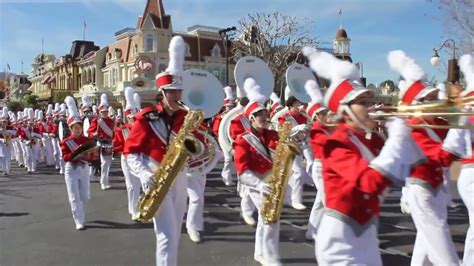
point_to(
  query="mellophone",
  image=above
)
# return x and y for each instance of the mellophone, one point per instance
(105, 147)
(89, 150)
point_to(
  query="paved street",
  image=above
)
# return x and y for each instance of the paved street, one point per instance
(37, 228)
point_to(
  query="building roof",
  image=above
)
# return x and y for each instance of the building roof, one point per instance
(81, 48)
(341, 33)
(156, 11)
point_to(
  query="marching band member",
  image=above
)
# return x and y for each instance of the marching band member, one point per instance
(239, 125)
(427, 197)
(47, 137)
(38, 147)
(132, 182)
(151, 133)
(318, 135)
(6, 134)
(229, 104)
(29, 136)
(15, 139)
(102, 128)
(198, 169)
(253, 161)
(76, 169)
(466, 176)
(112, 113)
(357, 167)
(54, 129)
(276, 104)
(62, 124)
(87, 116)
(296, 181)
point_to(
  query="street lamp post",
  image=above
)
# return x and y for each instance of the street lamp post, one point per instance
(453, 68)
(225, 37)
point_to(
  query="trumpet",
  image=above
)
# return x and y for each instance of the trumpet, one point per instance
(450, 109)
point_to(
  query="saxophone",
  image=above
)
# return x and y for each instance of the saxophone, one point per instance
(285, 154)
(183, 145)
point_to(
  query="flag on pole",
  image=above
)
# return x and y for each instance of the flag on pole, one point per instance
(340, 11)
(85, 24)
(8, 66)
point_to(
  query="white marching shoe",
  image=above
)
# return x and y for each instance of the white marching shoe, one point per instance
(249, 220)
(194, 235)
(298, 206)
(79, 227)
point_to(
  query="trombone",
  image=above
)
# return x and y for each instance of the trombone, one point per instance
(450, 109)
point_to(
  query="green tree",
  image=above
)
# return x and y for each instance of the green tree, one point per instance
(30, 101)
(60, 96)
(15, 106)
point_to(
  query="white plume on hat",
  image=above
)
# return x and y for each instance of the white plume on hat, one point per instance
(12, 116)
(19, 115)
(228, 93)
(176, 51)
(329, 67)
(50, 109)
(312, 89)
(274, 98)
(104, 103)
(5, 112)
(56, 108)
(36, 113)
(111, 111)
(63, 108)
(119, 112)
(40, 115)
(137, 101)
(441, 91)
(466, 64)
(94, 108)
(31, 114)
(129, 101)
(406, 66)
(74, 116)
(252, 89)
(86, 102)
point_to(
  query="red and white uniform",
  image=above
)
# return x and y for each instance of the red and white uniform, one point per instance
(253, 161)
(352, 191)
(53, 129)
(144, 149)
(48, 143)
(77, 177)
(297, 178)
(318, 136)
(103, 129)
(29, 137)
(216, 123)
(428, 198)
(6, 136)
(132, 182)
(466, 191)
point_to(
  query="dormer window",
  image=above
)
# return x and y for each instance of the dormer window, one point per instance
(135, 49)
(149, 43)
(216, 51)
(109, 56)
(117, 53)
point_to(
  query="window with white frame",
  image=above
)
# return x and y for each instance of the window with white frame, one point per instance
(149, 43)
(188, 50)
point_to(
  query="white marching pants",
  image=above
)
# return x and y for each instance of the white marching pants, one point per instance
(48, 149)
(466, 191)
(78, 190)
(133, 185)
(294, 193)
(228, 169)
(318, 205)
(31, 160)
(195, 215)
(247, 206)
(18, 152)
(168, 220)
(337, 244)
(433, 244)
(105, 163)
(267, 236)
(6, 159)
(58, 158)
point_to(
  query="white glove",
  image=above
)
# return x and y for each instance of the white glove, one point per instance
(392, 160)
(457, 142)
(148, 182)
(308, 156)
(263, 187)
(405, 208)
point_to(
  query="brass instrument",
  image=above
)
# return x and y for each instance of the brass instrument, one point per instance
(449, 109)
(183, 145)
(286, 151)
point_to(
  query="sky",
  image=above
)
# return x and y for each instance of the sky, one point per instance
(375, 27)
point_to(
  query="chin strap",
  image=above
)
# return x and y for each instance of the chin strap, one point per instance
(368, 131)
